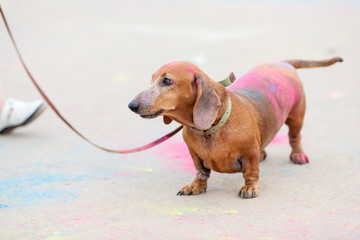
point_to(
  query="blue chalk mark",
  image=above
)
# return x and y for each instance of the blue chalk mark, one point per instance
(34, 188)
(3, 206)
(285, 170)
(272, 88)
(251, 94)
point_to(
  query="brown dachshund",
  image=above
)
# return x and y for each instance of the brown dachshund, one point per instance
(227, 129)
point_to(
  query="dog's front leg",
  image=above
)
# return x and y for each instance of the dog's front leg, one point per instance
(251, 175)
(199, 184)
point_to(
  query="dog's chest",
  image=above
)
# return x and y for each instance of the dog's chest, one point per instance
(221, 160)
(215, 155)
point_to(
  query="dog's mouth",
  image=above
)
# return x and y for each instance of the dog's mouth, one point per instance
(153, 115)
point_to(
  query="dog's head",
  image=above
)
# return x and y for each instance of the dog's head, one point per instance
(179, 91)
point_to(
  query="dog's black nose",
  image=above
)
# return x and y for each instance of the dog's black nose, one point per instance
(134, 106)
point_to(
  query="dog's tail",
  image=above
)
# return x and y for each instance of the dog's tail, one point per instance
(312, 64)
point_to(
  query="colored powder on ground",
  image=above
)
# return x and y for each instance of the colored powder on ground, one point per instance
(179, 156)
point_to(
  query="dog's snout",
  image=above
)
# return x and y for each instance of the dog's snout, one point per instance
(134, 106)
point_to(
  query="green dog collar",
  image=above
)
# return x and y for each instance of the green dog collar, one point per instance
(229, 80)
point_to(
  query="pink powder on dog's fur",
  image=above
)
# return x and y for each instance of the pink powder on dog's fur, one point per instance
(272, 81)
(169, 64)
(189, 69)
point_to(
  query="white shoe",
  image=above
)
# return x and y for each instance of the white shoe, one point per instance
(17, 113)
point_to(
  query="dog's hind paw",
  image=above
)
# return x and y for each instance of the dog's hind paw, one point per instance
(249, 191)
(299, 158)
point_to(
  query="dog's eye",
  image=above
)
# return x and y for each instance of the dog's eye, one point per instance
(168, 82)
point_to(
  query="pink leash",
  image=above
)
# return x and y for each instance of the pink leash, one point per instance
(147, 146)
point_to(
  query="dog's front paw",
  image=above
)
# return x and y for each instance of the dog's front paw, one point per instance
(194, 188)
(249, 191)
(299, 158)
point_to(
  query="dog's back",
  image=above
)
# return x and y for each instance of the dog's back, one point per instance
(278, 83)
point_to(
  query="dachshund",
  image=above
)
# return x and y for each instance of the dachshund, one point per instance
(227, 129)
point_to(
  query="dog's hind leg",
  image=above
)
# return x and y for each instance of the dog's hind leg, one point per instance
(295, 122)
(199, 184)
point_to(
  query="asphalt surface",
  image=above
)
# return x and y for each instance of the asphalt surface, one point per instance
(93, 57)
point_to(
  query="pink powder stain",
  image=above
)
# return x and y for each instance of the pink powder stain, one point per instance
(85, 219)
(298, 230)
(235, 235)
(180, 158)
(273, 82)
(249, 225)
(189, 69)
(173, 69)
(280, 139)
(169, 64)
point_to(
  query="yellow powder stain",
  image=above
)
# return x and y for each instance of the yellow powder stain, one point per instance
(269, 238)
(230, 211)
(144, 169)
(176, 213)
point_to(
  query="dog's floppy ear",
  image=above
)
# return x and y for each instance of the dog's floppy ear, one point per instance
(207, 104)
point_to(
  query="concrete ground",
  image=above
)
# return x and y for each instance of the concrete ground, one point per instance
(92, 57)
